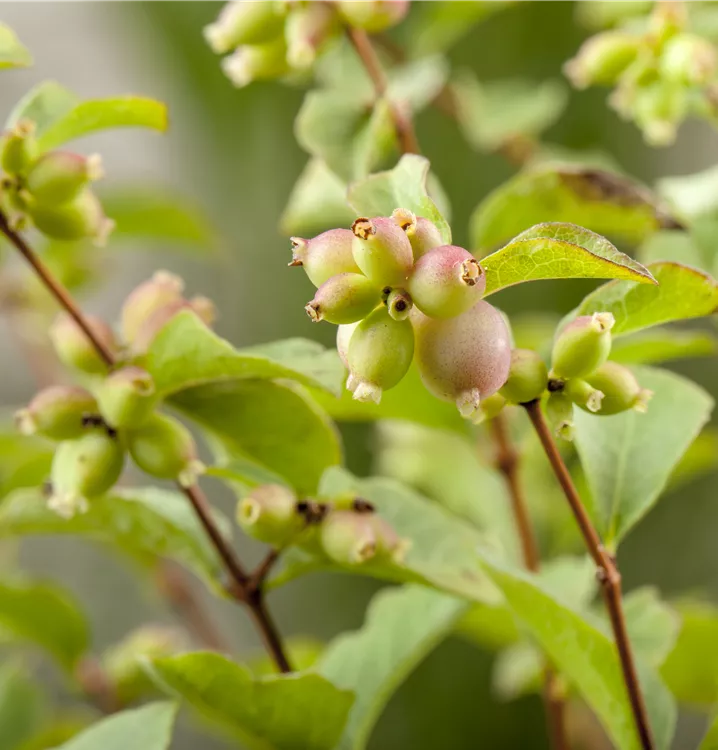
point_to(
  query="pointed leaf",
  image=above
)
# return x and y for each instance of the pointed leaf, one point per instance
(401, 627)
(682, 293)
(44, 104)
(628, 458)
(587, 658)
(603, 202)
(146, 728)
(13, 54)
(558, 251)
(662, 345)
(404, 186)
(281, 712)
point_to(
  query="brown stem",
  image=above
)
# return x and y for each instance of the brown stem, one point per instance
(262, 570)
(608, 574)
(194, 494)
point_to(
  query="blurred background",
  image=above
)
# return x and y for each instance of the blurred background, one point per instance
(235, 154)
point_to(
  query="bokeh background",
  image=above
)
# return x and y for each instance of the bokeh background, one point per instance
(234, 152)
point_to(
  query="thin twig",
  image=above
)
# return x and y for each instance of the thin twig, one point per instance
(608, 574)
(194, 494)
(260, 573)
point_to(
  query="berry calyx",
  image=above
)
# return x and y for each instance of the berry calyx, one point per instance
(422, 233)
(74, 349)
(269, 513)
(345, 298)
(399, 304)
(582, 346)
(58, 177)
(584, 395)
(382, 251)
(57, 412)
(325, 255)
(127, 397)
(256, 62)
(349, 538)
(620, 388)
(528, 377)
(244, 23)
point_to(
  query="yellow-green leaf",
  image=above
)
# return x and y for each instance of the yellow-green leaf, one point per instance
(13, 53)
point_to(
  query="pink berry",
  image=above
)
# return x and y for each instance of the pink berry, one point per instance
(324, 256)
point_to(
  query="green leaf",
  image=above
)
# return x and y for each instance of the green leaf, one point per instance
(662, 345)
(628, 458)
(558, 251)
(498, 112)
(587, 657)
(21, 706)
(318, 202)
(672, 245)
(404, 186)
(442, 551)
(700, 458)
(186, 353)
(146, 728)
(682, 293)
(710, 740)
(691, 195)
(347, 132)
(45, 615)
(603, 202)
(243, 474)
(276, 424)
(145, 522)
(281, 712)
(402, 626)
(653, 625)
(517, 671)
(13, 54)
(24, 461)
(44, 104)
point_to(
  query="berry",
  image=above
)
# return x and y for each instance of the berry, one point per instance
(244, 23)
(83, 469)
(349, 538)
(382, 251)
(602, 59)
(165, 448)
(307, 31)
(162, 289)
(80, 218)
(489, 408)
(344, 334)
(57, 412)
(18, 148)
(373, 15)
(256, 62)
(559, 412)
(689, 59)
(620, 388)
(464, 359)
(269, 513)
(527, 379)
(74, 349)
(324, 256)
(422, 233)
(389, 544)
(153, 324)
(446, 281)
(380, 352)
(399, 304)
(345, 298)
(658, 108)
(127, 397)
(584, 395)
(59, 176)
(582, 346)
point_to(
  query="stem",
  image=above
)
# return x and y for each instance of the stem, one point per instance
(608, 574)
(239, 587)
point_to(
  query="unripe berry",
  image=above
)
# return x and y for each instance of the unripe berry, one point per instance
(80, 218)
(18, 148)
(59, 176)
(559, 413)
(582, 346)
(256, 62)
(165, 448)
(346, 298)
(422, 233)
(244, 23)
(57, 412)
(464, 359)
(324, 256)
(307, 30)
(620, 388)
(658, 108)
(83, 469)
(446, 281)
(380, 352)
(269, 513)
(688, 58)
(584, 395)
(399, 304)
(373, 15)
(602, 59)
(74, 349)
(528, 376)
(349, 538)
(344, 334)
(127, 397)
(162, 289)
(382, 251)
(389, 544)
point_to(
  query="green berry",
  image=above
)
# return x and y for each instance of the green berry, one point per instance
(446, 282)
(559, 413)
(245, 22)
(689, 59)
(346, 298)
(382, 251)
(602, 59)
(80, 218)
(422, 233)
(349, 538)
(584, 395)
(162, 289)
(399, 304)
(74, 349)
(256, 62)
(18, 148)
(379, 355)
(620, 388)
(127, 397)
(165, 448)
(59, 176)
(307, 30)
(84, 468)
(527, 379)
(326, 255)
(582, 346)
(389, 545)
(57, 412)
(373, 15)
(269, 513)
(464, 359)
(658, 108)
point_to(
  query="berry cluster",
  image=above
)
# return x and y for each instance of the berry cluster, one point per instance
(660, 76)
(399, 294)
(115, 411)
(51, 190)
(274, 39)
